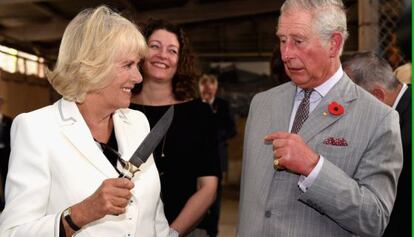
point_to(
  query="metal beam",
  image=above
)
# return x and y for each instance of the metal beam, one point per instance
(128, 4)
(44, 10)
(20, 1)
(50, 31)
(184, 15)
(48, 10)
(236, 54)
(192, 13)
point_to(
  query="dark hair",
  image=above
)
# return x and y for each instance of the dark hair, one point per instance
(185, 79)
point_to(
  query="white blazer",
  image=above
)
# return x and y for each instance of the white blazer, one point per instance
(55, 163)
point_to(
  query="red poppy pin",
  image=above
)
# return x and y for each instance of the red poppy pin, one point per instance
(335, 108)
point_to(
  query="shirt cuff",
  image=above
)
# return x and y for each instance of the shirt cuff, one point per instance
(305, 182)
(173, 233)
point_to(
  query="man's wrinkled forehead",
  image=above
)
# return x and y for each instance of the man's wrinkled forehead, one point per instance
(298, 23)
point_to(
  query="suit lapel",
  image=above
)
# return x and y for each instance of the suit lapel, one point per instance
(75, 129)
(122, 127)
(343, 93)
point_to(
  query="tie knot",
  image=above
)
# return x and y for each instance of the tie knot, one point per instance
(307, 92)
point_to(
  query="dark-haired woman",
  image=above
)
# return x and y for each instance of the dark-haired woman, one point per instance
(187, 157)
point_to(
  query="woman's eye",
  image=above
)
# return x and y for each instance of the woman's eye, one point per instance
(129, 65)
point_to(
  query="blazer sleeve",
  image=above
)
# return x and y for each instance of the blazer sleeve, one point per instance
(362, 203)
(28, 185)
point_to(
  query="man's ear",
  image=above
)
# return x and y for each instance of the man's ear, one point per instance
(335, 44)
(379, 93)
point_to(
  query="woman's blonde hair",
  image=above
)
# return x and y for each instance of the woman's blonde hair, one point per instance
(92, 42)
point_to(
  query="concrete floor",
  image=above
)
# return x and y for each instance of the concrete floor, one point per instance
(229, 211)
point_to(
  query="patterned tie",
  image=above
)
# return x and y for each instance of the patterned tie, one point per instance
(303, 111)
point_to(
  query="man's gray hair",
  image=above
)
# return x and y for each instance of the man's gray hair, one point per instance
(368, 69)
(328, 16)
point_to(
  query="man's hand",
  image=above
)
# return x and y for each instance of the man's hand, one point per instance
(292, 153)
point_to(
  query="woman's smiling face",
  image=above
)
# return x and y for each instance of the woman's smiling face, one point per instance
(162, 59)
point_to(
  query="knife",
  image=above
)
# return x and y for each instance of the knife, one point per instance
(127, 169)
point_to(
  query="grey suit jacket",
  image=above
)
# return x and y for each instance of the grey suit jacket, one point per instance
(355, 190)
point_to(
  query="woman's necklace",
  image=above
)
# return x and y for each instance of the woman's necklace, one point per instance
(163, 145)
(167, 100)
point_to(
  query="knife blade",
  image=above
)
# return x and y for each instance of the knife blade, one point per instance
(127, 169)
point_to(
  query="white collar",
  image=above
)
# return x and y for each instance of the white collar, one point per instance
(210, 101)
(325, 87)
(397, 100)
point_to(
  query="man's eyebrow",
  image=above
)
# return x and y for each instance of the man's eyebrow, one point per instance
(293, 35)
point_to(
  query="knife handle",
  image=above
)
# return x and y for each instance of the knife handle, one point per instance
(126, 169)
(121, 175)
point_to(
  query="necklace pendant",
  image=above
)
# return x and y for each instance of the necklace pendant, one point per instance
(162, 155)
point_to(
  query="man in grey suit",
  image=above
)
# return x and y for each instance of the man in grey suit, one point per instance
(375, 75)
(322, 156)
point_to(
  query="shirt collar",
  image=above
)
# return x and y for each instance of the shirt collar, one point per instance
(325, 87)
(211, 101)
(397, 100)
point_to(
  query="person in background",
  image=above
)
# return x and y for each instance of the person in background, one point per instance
(5, 126)
(277, 68)
(63, 178)
(208, 85)
(187, 157)
(321, 156)
(375, 75)
(226, 129)
(403, 73)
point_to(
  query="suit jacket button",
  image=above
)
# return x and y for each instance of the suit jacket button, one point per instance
(268, 214)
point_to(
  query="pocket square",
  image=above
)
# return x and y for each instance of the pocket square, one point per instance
(340, 141)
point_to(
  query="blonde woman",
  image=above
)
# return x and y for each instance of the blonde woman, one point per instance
(63, 179)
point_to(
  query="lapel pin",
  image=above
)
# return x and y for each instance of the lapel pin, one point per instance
(335, 108)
